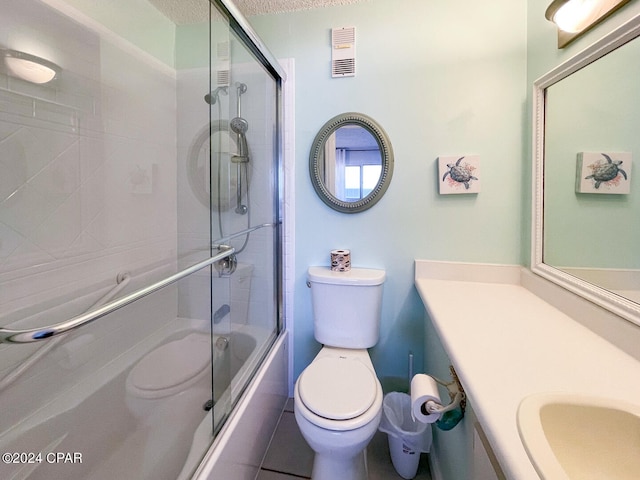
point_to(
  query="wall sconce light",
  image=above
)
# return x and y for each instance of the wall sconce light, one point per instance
(29, 67)
(574, 17)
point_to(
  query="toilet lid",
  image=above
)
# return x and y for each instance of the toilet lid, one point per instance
(172, 363)
(337, 388)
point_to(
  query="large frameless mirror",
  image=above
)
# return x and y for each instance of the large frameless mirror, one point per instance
(351, 162)
(586, 227)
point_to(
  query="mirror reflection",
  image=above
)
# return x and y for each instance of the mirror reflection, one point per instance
(594, 236)
(351, 163)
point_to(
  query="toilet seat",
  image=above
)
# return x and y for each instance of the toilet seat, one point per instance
(337, 388)
(170, 368)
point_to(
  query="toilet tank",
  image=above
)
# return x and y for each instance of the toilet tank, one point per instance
(346, 306)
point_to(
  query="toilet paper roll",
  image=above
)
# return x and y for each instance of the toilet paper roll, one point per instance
(424, 389)
(340, 260)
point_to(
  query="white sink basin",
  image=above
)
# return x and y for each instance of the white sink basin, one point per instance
(580, 437)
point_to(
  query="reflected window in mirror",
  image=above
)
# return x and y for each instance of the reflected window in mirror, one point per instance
(352, 163)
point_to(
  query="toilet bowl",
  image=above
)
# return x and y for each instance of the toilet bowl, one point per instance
(176, 373)
(338, 398)
(338, 406)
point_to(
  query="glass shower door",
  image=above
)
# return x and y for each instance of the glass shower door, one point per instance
(152, 150)
(92, 210)
(244, 213)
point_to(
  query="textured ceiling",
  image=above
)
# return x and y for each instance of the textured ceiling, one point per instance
(185, 12)
(262, 7)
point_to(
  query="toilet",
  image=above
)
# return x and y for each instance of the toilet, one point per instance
(338, 398)
(170, 375)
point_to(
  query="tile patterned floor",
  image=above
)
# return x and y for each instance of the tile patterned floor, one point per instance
(290, 458)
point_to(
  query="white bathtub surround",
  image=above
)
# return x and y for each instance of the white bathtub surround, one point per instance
(507, 343)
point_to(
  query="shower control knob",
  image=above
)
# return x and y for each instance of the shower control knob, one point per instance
(227, 266)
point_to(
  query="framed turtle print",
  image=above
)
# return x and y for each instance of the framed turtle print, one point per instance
(459, 174)
(608, 172)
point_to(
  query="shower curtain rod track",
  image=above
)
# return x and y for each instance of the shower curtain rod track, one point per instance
(38, 334)
(244, 30)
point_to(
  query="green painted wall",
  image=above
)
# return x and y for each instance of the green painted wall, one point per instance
(439, 83)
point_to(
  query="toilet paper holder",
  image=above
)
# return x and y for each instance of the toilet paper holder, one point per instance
(457, 397)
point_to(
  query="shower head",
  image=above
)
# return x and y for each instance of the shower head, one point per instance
(212, 96)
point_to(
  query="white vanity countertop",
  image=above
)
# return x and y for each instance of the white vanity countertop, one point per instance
(506, 343)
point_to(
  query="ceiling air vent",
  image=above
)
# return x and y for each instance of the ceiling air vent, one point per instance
(343, 52)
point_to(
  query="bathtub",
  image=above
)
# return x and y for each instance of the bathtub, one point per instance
(89, 432)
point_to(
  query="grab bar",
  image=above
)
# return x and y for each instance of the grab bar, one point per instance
(122, 280)
(36, 334)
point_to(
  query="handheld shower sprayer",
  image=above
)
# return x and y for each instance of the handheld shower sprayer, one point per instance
(239, 126)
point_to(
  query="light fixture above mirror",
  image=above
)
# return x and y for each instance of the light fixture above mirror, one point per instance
(28, 67)
(575, 17)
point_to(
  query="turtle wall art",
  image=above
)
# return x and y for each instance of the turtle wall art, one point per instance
(459, 174)
(603, 172)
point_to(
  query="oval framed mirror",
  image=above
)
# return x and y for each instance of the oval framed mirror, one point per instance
(351, 162)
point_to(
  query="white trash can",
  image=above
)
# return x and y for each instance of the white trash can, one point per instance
(407, 438)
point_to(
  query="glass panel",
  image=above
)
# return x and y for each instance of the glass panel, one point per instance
(248, 163)
(123, 397)
(94, 175)
(148, 149)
